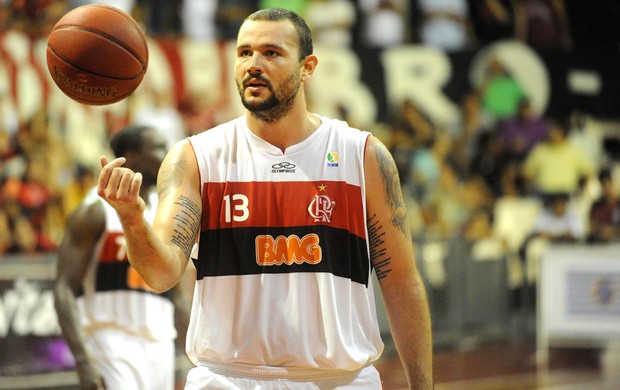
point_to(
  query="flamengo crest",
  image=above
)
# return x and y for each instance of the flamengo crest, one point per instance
(321, 208)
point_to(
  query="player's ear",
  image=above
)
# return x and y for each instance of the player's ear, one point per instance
(309, 64)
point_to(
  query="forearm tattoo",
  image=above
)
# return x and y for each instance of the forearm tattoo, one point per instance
(379, 258)
(393, 193)
(186, 224)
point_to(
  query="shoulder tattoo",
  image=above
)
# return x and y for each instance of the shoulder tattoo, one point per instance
(393, 193)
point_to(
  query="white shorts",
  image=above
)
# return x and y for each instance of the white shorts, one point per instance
(202, 378)
(131, 362)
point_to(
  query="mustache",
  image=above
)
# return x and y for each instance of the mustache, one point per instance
(249, 79)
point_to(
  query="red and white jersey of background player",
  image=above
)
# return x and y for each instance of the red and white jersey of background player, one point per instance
(114, 294)
(283, 259)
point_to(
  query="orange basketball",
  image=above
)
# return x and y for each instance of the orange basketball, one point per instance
(97, 54)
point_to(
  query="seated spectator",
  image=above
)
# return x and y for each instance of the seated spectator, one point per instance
(556, 165)
(604, 218)
(557, 221)
(519, 134)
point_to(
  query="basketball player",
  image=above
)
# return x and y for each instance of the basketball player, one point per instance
(120, 332)
(292, 211)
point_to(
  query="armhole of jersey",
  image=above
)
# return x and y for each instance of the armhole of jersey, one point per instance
(194, 146)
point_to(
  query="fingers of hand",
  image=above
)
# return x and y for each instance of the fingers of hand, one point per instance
(122, 184)
(107, 169)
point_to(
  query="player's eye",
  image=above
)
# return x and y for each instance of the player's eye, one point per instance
(244, 53)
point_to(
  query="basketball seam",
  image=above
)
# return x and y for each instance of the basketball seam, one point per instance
(92, 72)
(121, 13)
(109, 37)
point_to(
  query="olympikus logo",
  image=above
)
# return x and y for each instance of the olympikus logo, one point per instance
(283, 167)
(288, 250)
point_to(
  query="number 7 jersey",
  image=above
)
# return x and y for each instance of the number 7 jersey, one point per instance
(283, 268)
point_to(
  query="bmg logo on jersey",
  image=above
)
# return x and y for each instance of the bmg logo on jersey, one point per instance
(283, 167)
(288, 250)
(332, 159)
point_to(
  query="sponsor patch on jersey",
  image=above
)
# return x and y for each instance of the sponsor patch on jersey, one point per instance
(288, 250)
(283, 167)
(332, 159)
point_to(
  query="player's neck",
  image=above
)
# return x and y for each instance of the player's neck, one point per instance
(293, 128)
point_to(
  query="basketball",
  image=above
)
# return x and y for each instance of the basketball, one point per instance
(97, 54)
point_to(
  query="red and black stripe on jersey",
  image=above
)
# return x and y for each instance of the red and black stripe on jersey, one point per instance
(114, 272)
(278, 213)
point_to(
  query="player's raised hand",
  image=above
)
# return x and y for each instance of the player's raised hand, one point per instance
(120, 187)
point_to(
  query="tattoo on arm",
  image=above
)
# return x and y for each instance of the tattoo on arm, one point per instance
(186, 225)
(379, 259)
(395, 202)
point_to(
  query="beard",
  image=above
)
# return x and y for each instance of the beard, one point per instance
(277, 104)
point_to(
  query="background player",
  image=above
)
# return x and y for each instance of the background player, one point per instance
(120, 332)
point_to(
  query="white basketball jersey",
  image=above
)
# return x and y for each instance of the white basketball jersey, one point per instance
(283, 259)
(114, 294)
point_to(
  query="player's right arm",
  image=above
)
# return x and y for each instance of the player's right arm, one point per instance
(83, 230)
(159, 253)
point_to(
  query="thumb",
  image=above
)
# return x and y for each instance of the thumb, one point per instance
(103, 160)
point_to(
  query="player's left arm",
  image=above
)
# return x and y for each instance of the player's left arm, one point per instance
(392, 258)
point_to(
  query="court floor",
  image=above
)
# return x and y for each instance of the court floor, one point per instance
(504, 365)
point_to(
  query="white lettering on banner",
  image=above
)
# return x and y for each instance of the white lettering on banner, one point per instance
(420, 73)
(26, 310)
(336, 83)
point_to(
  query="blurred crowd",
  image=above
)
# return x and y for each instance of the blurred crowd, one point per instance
(506, 178)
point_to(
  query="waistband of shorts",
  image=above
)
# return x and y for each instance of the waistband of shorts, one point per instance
(276, 372)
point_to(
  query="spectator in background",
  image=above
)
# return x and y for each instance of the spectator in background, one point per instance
(198, 19)
(445, 24)
(556, 165)
(332, 22)
(557, 221)
(411, 130)
(160, 113)
(6, 236)
(604, 217)
(500, 92)
(543, 24)
(519, 134)
(425, 165)
(383, 23)
(82, 180)
(161, 17)
(229, 15)
(492, 20)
